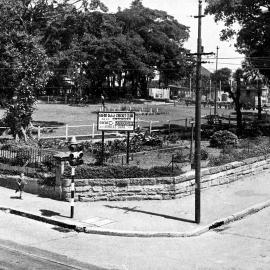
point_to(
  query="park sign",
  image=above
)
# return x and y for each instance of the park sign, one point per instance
(116, 121)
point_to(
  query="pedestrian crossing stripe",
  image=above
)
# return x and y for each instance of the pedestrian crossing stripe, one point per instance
(97, 221)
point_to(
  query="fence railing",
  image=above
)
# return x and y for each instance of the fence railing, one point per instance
(27, 158)
(90, 131)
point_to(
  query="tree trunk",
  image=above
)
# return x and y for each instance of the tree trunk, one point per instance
(236, 100)
(259, 103)
(23, 130)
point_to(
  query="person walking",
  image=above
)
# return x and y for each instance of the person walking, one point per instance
(103, 101)
(20, 185)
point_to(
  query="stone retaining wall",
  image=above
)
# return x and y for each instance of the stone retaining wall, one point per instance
(163, 188)
(33, 185)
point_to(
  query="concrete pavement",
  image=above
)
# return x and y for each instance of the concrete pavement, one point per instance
(172, 218)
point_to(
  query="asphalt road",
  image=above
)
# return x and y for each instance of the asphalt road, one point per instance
(243, 245)
(15, 258)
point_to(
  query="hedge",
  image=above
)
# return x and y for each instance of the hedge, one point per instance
(118, 172)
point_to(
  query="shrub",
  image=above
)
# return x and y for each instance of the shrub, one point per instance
(220, 160)
(97, 153)
(223, 138)
(119, 172)
(204, 154)
(52, 143)
(253, 130)
(179, 156)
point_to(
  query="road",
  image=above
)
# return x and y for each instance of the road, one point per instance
(241, 245)
(15, 258)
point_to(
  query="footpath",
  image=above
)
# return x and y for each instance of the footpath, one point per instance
(220, 205)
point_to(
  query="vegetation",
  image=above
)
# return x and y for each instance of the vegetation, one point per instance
(246, 149)
(223, 138)
(118, 172)
(54, 47)
(252, 35)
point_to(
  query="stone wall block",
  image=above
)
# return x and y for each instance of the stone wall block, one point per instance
(135, 189)
(81, 182)
(155, 197)
(142, 181)
(101, 182)
(165, 180)
(108, 188)
(97, 189)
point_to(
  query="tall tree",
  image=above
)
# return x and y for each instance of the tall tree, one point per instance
(163, 39)
(24, 62)
(235, 95)
(253, 30)
(222, 77)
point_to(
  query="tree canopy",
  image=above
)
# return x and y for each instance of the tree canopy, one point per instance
(54, 46)
(253, 28)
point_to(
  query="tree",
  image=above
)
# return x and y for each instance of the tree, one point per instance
(253, 35)
(254, 78)
(25, 64)
(162, 39)
(222, 77)
(235, 95)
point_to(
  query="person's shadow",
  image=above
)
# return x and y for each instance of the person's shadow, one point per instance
(15, 197)
(49, 213)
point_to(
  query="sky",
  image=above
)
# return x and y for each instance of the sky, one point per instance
(183, 11)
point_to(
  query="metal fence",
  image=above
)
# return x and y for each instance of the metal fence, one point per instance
(27, 158)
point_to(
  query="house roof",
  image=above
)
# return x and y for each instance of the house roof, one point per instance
(206, 72)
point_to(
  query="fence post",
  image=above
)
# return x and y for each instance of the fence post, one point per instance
(93, 131)
(48, 99)
(186, 123)
(38, 133)
(150, 127)
(66, 131)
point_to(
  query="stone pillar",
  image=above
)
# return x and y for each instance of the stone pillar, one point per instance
(60, 167)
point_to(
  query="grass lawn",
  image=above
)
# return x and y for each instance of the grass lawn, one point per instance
(74, 115)
(51, 115)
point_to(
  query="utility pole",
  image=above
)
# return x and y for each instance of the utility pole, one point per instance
(216, 82)
(190, 85)
(197, 155)
(210, 86)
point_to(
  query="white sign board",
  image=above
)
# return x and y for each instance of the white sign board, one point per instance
(116, 121)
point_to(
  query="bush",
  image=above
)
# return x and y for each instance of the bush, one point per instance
(252, 130)
(52, 143)
(223, 138)
(204, 154)
(220, 160)
(119, 172)
(230, 154)
(97, 153)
